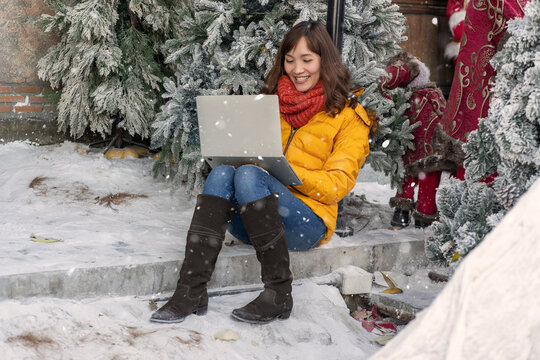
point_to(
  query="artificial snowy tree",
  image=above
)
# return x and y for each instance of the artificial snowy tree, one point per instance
(507, 142)
(227, 47)
(107, 63)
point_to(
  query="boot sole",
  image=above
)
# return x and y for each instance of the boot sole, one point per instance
(199, 312)
(283, 316)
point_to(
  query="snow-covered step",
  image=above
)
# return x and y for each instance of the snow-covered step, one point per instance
(237, 265)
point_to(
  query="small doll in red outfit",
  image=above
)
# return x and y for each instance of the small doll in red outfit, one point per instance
(423, 165)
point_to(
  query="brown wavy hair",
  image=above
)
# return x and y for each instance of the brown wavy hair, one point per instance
(335, 77)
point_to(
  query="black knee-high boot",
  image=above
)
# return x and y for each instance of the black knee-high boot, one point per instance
(204, 241)
(263, 224)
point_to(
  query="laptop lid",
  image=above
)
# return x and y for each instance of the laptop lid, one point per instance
(243, 129)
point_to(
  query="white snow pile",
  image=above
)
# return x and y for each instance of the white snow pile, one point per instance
(491, 307)
(320, 327)
(57, 192)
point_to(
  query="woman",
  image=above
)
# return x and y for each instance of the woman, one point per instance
(325, 139)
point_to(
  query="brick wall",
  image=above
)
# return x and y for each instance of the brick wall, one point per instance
(23, 99)
(24, 112)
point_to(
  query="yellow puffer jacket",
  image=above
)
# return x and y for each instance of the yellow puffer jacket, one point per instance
(327, 154)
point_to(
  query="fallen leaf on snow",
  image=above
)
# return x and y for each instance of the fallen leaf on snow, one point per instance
(42, 239)
(360, 314)
(368, 325)
(386, 325)
(226, 335)
(391, 283)
(392, 290)
(383, 339)
(375, 314)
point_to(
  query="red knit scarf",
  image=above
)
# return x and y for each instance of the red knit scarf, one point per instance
(298, 107)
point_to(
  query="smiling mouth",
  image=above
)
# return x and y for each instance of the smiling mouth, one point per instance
(301, 79)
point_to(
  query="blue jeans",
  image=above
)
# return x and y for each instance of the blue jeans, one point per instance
(303, 228)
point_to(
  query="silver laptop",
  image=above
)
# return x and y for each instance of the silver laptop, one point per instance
(243, 129)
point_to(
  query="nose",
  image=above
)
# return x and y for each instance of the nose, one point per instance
(298, 68)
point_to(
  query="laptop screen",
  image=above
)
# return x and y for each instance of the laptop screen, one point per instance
(239, 125)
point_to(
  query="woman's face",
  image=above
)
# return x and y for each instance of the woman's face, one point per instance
(303, 66)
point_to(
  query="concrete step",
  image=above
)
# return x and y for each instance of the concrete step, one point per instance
(235, 267)
(419, 290)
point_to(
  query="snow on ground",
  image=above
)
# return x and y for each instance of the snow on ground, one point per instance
(55, 192)
(491, 307)
(118, 328)
(64, 205)
(489, 310)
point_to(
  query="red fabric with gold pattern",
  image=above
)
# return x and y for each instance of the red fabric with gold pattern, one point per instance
(427, 107)
(485, 24)
(298, 107)
(399, 75)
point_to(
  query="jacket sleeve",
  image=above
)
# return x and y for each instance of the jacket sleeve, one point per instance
(338, 175)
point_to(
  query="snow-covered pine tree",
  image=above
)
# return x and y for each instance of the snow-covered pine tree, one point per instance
(227, 47)
(507, 142)
(393, 139)
(107, 64)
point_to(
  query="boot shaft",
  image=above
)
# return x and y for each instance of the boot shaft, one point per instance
(212, 214)
(263, 224)
(204, 240)
(205, 236)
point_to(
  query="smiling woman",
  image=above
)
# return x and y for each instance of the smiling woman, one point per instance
(303, 66)
(307, 41)
(325, 139)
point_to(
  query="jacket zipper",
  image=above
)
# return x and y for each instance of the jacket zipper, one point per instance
(291, 135)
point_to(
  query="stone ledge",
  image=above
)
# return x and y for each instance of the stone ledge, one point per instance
(40, 128)
(231, 270)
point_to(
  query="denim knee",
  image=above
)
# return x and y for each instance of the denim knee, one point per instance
(248, 174)
(220, 182)
(249, 183)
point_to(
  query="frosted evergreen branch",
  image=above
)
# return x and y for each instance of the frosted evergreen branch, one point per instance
(93, 20)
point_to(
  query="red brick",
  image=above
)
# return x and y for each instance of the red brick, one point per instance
(5, 89)
(28, 89)
(28, 109)
(11, 99)
(36, 9)
(36, 99)
(50, 108)
(5, 108)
